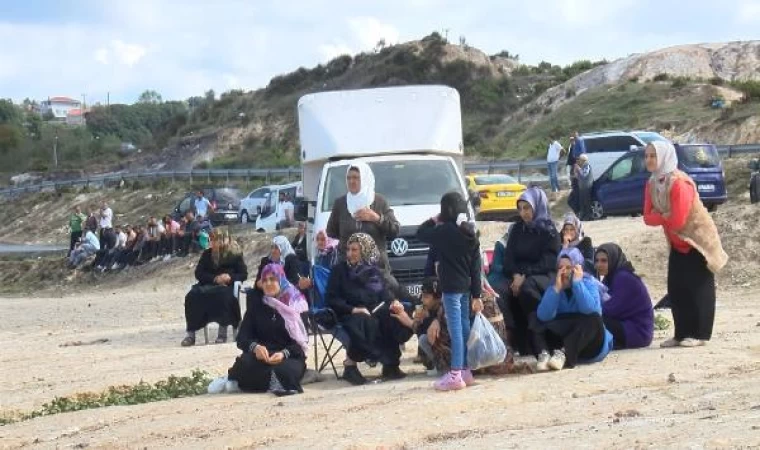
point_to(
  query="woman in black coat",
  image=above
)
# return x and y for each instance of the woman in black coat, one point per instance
(282, 253)
(213, 298)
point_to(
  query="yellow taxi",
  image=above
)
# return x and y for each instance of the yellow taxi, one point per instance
(498, 195)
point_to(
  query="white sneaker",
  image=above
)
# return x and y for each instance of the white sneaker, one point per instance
(670, 343)
(543, 362)
(231, 387)
(690, 342)
(557, 361)
(217, 386)
(167, 257)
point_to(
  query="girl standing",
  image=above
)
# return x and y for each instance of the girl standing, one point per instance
(696, 254)
(453, 239)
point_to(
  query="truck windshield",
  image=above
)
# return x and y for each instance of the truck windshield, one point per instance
(402, 183)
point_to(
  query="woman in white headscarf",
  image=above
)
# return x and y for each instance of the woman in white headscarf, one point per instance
(362, 210)
(671, 200)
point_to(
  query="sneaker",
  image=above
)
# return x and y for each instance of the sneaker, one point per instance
(670, 343)
(468, 377)
(690, 342)
(392, 373)
(451, 381)
(542, 364)
(231, 387)
(217, 386)
(353, 376)
(557, 361)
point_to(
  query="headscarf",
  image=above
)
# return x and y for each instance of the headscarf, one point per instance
(572, 219)
(366, 195)
(289, 304)
(576, 258)
(223, 247)
(616, 260)
(667, 163)
(330, 243)
(282, 243)
(454, 209)
(536, 198)
(366, 271)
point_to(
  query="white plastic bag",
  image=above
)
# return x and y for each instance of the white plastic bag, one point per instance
(484, 346)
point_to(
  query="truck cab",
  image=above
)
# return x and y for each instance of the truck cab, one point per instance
(411, 138)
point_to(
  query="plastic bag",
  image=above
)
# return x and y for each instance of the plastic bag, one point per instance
(484, 347)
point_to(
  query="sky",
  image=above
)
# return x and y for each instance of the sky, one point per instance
(182, 48)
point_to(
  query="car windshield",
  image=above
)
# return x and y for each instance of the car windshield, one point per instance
(698, 156)
(650, 136)
(486, 180)
(402, 183)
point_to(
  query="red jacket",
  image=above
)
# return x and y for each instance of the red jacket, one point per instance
(681, 199)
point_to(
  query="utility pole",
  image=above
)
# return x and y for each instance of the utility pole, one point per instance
(55, 150)
(84, 102)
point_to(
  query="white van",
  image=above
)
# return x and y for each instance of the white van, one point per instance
(605, 147)
(410, 136)
(253, 203)
(267, 222)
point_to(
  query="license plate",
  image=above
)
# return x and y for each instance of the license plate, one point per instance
(414, 290)
(505, 194)
(231, 216)
(706, 188)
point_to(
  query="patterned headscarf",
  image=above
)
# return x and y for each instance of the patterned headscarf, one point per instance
(289, 303)
(366, 271)
(536, 198)
(223, 246)
(576, 258)
(330, 243)
(282, 243)
(667, 163)
(572, 219)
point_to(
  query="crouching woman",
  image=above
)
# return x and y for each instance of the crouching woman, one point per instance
(570, 315)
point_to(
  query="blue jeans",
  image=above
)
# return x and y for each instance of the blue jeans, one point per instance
(457, 309)
(553, 176)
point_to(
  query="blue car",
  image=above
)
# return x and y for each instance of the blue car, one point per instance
(620, 189)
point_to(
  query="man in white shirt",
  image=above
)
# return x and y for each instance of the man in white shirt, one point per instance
(285, 212)
(201, 206)
(105, 223)
(552, 159)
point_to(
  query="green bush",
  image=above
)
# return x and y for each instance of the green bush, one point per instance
(633, 79)
(570, 93)
(717, 81)
(679, 82)
(661, 77)
(750, 89)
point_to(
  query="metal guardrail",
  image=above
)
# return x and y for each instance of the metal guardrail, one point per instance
(537, 167)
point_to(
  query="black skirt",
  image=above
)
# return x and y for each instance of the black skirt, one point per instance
(253, 375)
(211, 303)
(691, 288)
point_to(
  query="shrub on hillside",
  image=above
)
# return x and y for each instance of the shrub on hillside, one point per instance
(570, 93)
(750, 89)
(661, 77)
(717, 81)
(679, 82)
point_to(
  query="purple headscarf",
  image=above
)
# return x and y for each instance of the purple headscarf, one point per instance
(576, 258)
(289, 304)
(536, 198)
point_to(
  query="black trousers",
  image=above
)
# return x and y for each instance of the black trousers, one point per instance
(691, 288)
(519, 310)
(253, 375)
(581, 336)
(616, 328)
(75, 236)
(376, 337)
(169, 244)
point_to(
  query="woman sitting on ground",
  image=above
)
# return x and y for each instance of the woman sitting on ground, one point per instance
(628, 313)
(213, 299)
(574, 237)
(282, 253)
(529, 265)
(273, 339)
(375, 323)
(570, 317)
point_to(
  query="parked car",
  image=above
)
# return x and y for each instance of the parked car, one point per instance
(498, 195)
(604, 147)
(754, 181)
(620, 189)
(251, 205)
(225, 203)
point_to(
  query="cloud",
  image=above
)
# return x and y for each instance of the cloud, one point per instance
(123, 53)
(748, 12)
(368, 31)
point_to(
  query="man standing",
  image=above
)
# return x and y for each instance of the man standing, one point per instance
(201, 206)
(552, 159)
(106, 224)
(285, 212)
(76, 220)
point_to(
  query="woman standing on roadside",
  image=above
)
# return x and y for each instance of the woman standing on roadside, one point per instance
(671, 201)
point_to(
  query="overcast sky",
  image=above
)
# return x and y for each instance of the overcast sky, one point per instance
(182, 48)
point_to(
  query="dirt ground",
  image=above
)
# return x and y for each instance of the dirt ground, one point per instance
(678, 398)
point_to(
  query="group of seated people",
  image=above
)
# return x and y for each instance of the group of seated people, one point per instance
(562, 300)
(136, 245)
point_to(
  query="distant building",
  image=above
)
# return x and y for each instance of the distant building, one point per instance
(75, 117)
(63, 109)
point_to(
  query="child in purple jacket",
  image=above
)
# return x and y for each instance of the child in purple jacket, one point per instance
(628, 313)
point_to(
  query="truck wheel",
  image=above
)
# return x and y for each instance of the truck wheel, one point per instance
(754, 188)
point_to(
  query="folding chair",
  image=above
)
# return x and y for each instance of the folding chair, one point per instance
(318, 312)
(238, 289)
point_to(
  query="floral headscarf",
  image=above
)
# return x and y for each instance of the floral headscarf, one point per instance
(289, 303)
(366, 271)
(282, 243)
(330, 245)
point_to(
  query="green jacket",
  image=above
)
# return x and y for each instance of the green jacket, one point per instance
(76, 221)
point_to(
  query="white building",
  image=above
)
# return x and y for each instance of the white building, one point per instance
(60, 107)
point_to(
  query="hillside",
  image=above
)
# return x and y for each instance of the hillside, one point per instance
(509, 109)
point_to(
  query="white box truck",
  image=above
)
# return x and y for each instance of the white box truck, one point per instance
(410, 136)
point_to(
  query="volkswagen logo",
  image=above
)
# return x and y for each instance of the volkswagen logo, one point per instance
(399, 247)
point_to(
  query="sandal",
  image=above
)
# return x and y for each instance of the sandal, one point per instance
(189, 341)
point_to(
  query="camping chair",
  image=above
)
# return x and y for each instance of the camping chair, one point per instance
(323, 320)
(238, 289)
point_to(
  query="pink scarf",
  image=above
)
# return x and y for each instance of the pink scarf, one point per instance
(289, 305)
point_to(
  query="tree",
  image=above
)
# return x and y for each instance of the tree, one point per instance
(9, 113)
(150, 96)
(10, 137)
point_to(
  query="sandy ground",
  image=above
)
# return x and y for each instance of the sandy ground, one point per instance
(679, 398)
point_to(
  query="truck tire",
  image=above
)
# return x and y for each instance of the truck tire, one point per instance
(754, 188)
